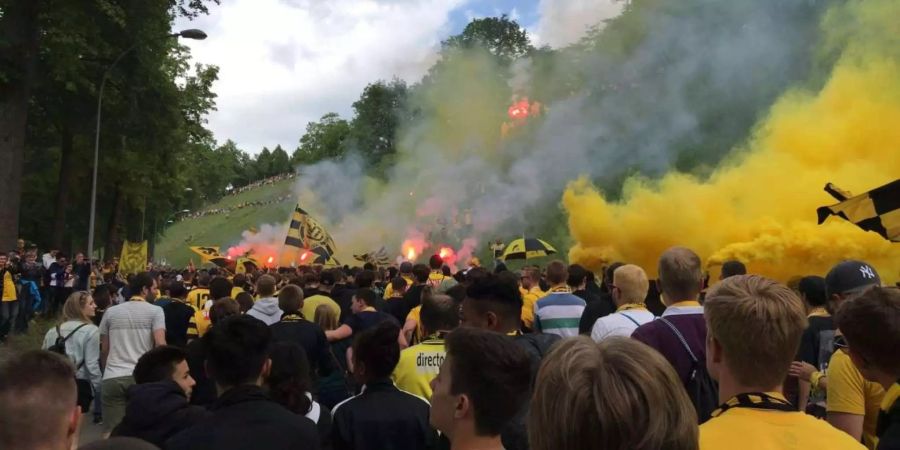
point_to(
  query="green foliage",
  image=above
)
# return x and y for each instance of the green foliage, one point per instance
(378, 114)
(323, 139)
(500, 36)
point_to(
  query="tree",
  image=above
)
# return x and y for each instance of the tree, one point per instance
(323, 139)
(20, 33)
(281, 162)
(501, 36)
(377, 117)
(264, 163)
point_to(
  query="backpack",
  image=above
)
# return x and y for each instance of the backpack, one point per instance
(701, 389)
(60, 345)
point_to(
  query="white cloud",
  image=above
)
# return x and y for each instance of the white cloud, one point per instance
(285, 63)
(563, 22)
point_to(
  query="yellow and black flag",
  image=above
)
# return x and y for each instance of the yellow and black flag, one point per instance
(306, 233)
(877, 210)
(207, 253)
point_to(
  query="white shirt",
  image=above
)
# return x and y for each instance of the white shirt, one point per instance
(618, 324)
(130, 328)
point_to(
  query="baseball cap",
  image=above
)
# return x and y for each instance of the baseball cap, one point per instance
(849, 277)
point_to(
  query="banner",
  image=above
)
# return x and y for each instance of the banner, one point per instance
(307, 233)
(206, 253)
(134, 258)
(877, 210)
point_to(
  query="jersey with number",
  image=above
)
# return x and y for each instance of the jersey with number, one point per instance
(198, 297)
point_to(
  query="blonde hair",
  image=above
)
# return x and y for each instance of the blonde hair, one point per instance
(632, 283)
(758, 322)
(74, 307)
(616, 395)
(680, 274)
(326, 318)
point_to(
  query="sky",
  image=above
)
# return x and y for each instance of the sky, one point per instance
(284, 63)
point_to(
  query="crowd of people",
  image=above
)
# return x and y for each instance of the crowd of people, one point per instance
(263, 182)
(239, 206)
(418, 357)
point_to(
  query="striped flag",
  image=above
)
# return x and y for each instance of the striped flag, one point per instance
(877, 210)
(306, 233)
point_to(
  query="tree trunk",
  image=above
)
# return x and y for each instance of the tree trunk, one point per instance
(63, 186)
(113, 241)
(18, 55)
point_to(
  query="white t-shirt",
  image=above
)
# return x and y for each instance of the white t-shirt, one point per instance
(130, 328)
(621, 323)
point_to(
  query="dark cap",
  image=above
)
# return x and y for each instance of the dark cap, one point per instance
(849, 277)
(406, 267)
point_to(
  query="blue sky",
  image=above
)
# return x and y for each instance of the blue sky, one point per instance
(284, 63)
(524, 11)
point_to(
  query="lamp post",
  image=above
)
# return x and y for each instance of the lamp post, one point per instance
(189, 34)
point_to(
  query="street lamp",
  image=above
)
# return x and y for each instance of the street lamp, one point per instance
(188, 34)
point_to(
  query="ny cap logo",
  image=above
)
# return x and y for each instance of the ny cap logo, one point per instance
(867, 272)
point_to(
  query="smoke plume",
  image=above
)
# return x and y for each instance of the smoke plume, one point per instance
(760, 205)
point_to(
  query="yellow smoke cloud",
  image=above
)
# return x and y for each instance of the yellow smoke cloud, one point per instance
(760, 206)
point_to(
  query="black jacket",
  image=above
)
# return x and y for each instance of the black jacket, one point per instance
(515, 434)
(382, 417)
(205, 389)
(889, 427)
(244, 418)
(594, 310)
(158, 411)
(294, 328)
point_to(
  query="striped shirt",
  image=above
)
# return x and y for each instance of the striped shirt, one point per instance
(130, 328)
(558, 313)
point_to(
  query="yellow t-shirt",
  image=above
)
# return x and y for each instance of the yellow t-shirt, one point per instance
(9, 288)
(419, 365)
(389, 290)
(415, 314)
(529, 298)
(849, 392)
(310, 304)
(436, 278)
(758, 429)
(235, 291)
(198, 297)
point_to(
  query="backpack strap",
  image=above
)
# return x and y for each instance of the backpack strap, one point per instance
(80, 365)
(635, 322)
(680, 338)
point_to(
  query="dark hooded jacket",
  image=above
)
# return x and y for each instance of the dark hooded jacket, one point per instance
(244, 418)
(515, 435)
(157, 411)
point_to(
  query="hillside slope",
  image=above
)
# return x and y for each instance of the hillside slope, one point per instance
(225, 229)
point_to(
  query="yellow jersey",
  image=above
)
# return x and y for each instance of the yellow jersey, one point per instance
(415, 314)
(762, 429)
(310, 304)
(529, 298)
(198, 297)
(419, 365)
(9, 287)
(436, 278)
(235, 291)
(389, 290)
(850, 393)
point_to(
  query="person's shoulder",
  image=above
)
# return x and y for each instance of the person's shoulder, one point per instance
(826, 433)
(646, 331)
(412, 399)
